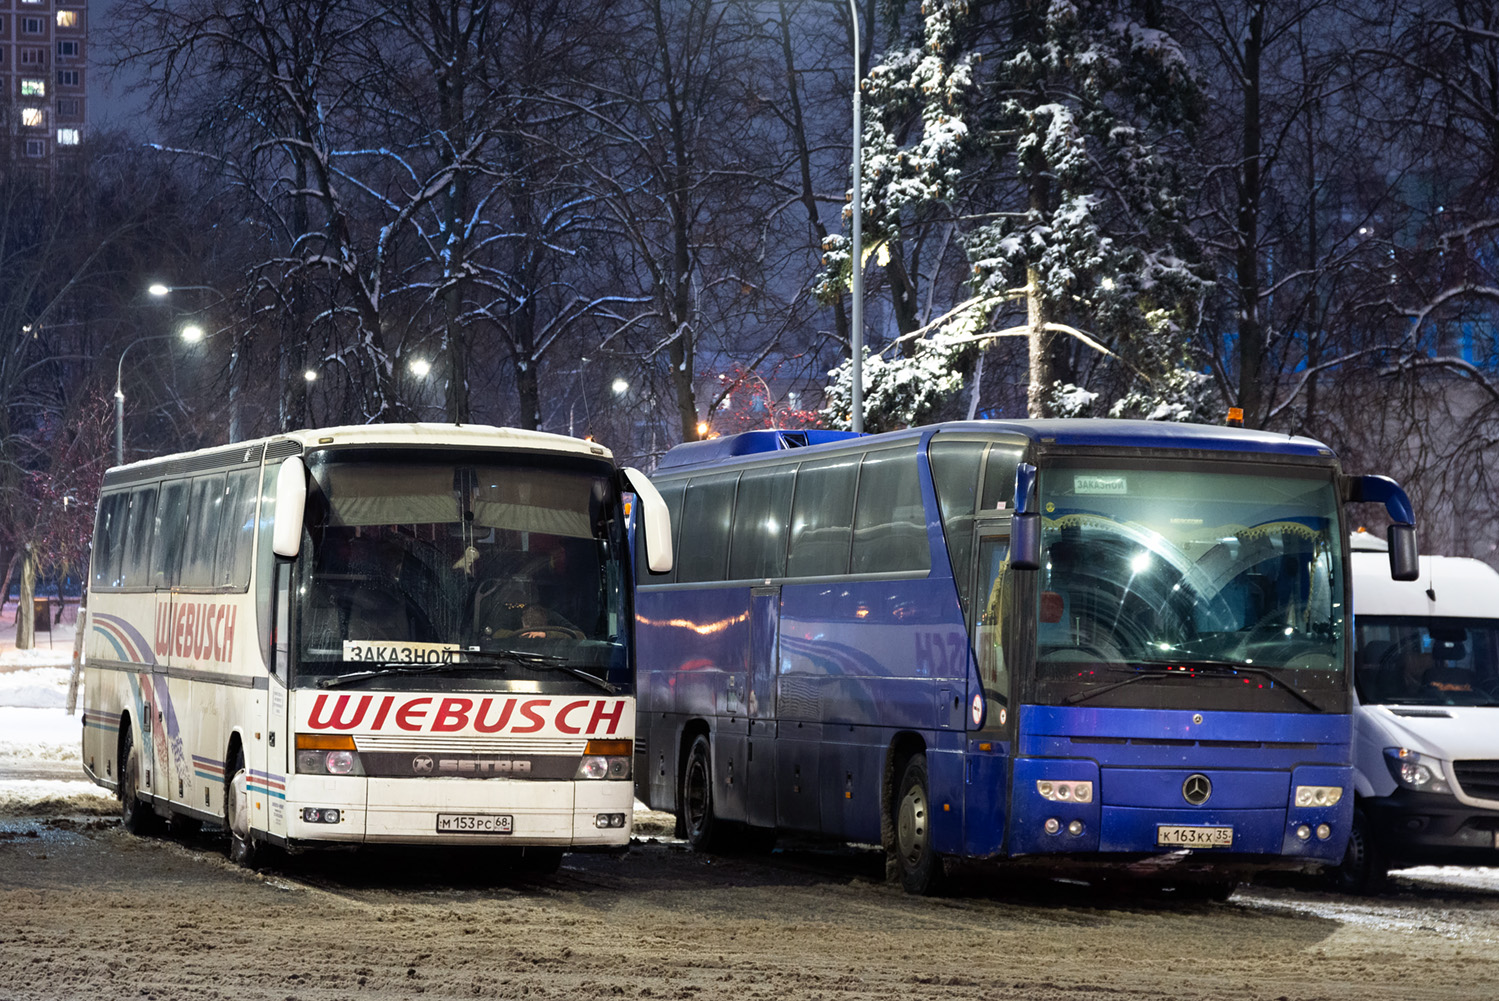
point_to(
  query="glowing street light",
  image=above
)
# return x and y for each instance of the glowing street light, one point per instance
(420, 367)
(190, 333)
(620, 387)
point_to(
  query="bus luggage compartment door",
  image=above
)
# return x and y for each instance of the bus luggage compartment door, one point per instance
(760, 763)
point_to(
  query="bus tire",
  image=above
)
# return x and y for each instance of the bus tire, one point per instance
(1364, 866)
(136, 816)
(700, 827)
(916, 863)
(242, 847)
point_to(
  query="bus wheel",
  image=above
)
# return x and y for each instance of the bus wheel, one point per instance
(135, 815)
(1363, 868)
(920, 867)
(242, 848)
(700, 826)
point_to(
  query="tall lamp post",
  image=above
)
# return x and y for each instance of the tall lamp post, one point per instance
(857, 289)
(192, 333)
(160, 290)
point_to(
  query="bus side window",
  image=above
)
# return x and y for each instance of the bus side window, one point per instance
(236, 531)
(171, 534)
(758, 550)
(203, 517)
(707, 513)
(135, 562)
(109, 540)
(889, 520)
(822, 517)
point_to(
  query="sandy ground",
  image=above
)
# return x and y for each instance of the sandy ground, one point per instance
(89, 911)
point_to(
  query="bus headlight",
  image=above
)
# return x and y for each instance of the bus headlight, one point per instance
(1065, 792)
(1418, 772)
(1318, 795)
(606, 759)
(327, 754)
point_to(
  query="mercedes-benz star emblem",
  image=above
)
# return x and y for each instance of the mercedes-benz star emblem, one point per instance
(422, 765)
(1197, 789)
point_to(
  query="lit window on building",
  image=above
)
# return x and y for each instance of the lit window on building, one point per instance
(67, 19)
(68, 137)
(33, 88)
(33, 117)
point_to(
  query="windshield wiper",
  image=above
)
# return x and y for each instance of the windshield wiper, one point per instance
(466, 660)
(540, 662)
(1200, 668)
(391, 667)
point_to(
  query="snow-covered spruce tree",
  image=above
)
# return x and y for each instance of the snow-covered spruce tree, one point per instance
(1060, 129)
(1090, 106)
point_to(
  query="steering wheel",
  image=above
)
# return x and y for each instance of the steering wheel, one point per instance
(550, 632)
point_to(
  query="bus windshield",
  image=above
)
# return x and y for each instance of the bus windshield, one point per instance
(500, 570)
(1155, 571)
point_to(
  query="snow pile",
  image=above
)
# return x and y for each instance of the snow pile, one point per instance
(51, 798)
(49, 734)
(40, 687)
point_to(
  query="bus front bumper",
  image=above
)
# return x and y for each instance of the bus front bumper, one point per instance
(461, 811)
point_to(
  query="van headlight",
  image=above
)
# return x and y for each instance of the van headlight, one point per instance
(1417, 772)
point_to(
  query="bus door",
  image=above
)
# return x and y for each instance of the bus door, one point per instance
(994, 626)
(760, 757)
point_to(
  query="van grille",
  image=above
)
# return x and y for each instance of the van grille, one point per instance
(1479, 779)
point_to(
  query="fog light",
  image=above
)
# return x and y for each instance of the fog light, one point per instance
(1303, 832)
(1075, 828)
(1053, 825)
(605, 820)
(1324, 831)
(320, 815)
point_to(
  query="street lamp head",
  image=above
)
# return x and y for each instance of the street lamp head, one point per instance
(310, 375)
(620, 387)
(420, 367)
(158, 289)
(192, 333)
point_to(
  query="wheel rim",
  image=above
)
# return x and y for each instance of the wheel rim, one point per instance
(237, 806)
(910, 827)
(696, 797)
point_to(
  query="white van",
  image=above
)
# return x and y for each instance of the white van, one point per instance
(1426, 716)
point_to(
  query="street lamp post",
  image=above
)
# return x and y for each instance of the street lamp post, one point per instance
(160, 290)
(191, 334)
(857, 289)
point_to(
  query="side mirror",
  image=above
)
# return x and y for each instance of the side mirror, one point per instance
(655, 520)
(1025, 526)
(1405, 563)
(1025, 541)
(291, 505)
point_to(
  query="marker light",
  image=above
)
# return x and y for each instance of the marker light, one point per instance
(1303, 832)
(1052, 825)
(1324, 831)
(1075, 828)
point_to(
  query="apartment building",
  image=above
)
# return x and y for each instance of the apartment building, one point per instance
(43, 51)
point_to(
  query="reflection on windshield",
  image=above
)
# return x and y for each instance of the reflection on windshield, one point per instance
(1159, 566)
(1423, 661)
(406, 561)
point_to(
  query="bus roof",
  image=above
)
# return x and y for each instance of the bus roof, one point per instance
(1079, 432)
(412, 433)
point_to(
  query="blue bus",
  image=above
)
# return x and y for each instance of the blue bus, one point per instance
(1088, 642)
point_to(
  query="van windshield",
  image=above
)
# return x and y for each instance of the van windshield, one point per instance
(1416, 660)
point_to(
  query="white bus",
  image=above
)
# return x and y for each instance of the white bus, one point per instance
(406, 634)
